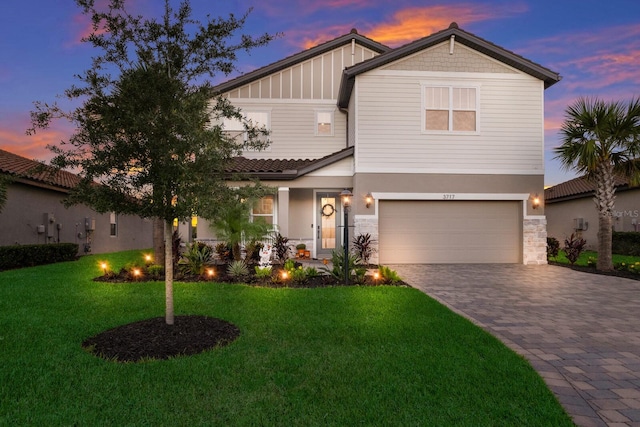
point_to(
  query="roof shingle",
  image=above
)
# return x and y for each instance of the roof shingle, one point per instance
(21, 167)
(577, 188)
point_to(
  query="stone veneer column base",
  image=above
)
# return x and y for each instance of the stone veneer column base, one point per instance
(363, 224)
(534, 240)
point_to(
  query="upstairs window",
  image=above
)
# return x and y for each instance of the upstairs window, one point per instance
(450, 109)
(324, 123)
(258, 119)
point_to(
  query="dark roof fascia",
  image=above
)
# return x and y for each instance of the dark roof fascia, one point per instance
(467, 39)
(39, 184)
(300, 57)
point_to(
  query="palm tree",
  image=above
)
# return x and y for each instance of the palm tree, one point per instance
(234, 224)
(601, 139)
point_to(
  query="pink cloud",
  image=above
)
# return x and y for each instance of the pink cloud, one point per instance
(409, 24)
(13, 138)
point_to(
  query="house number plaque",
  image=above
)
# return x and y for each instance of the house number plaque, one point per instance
(448, 196)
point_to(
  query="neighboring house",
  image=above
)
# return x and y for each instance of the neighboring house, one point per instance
(570, 208)
(34, 212)
(444, 134)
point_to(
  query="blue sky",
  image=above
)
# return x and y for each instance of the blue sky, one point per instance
(594, 45)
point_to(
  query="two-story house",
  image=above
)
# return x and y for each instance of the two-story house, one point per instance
(440, 141)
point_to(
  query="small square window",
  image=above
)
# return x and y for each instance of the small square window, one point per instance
(324, 123)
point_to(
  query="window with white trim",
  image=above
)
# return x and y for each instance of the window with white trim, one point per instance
(450, 109)
(324, 123)
(263, 210)
(258, 119)
(113, 224)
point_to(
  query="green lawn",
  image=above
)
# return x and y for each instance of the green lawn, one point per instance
(583, 259)
(330, 356)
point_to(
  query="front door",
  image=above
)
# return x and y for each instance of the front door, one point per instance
(327, 223)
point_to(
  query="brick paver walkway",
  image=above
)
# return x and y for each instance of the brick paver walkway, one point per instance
(580, 331)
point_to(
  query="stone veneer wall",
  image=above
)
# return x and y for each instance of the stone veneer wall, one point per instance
(534, 238)
(364, 224)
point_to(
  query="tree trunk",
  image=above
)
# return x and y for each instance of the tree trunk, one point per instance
(158, 241)
(168, 272)
(605, 199)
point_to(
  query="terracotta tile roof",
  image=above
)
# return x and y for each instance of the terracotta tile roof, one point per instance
(284, 168)
(38, 173)
(244, 165)
(576, 188)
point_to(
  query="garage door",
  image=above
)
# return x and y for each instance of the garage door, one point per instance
(414, 232)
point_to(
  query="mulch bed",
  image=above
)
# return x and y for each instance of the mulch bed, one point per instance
(154, 339)
(592, 270)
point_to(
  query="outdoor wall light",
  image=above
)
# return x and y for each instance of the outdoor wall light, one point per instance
(368, 200)
(535, 202)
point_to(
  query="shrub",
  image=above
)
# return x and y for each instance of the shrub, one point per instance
(252, 250)
(573, 247)
(155, 271)
(281, 247)
(19, 256)
(388, 275)
(363, 247)
(553, 247)
(238, 270)
(223, 250)
(197, 256)
(263, 273)
(338, 264)
(626, 243)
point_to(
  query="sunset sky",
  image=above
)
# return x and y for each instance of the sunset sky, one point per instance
(594, 45)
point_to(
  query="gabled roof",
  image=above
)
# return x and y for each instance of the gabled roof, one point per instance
(578, 188)
(301, 57)
(278, 169)
(467, 39)
(36, 173)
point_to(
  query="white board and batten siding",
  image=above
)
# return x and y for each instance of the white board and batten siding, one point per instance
(389, 118)
(293, 96)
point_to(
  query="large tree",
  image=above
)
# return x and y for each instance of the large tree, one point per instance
(148, 139)
(601, 139)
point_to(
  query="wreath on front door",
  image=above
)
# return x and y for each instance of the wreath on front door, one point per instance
(328, 210)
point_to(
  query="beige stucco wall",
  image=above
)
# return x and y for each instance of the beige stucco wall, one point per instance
(26, 209)
(445, 183)
(560, 216)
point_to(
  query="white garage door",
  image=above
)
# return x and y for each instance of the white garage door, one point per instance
(416, 232)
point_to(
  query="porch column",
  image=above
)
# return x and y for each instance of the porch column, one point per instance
(283, 211)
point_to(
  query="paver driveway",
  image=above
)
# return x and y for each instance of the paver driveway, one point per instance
(580, 331)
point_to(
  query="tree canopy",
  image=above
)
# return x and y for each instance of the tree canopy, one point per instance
(148, 138)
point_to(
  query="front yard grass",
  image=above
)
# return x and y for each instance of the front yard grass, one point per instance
(583, 259)
(327, 356)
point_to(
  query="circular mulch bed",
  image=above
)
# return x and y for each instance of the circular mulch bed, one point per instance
(154, 339)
